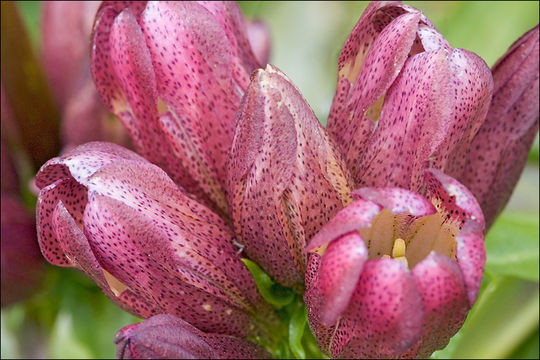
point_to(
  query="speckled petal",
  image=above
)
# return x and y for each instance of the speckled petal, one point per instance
(76, 248)
(413, 122)
(444, 299)
(358, 214)
(73, 195)
(339, 272)
(472, 85)
(168, 337)
(229, 15)
(386, 309)
(190, 234)
(471, 257)
(381, 66)
(397, 200)
(282, 171)
(83, 161)
(200, 83)
(509, 129)
(117, 232)
(453, 197)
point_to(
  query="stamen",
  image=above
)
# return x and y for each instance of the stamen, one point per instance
(399, 248)
(398, 251)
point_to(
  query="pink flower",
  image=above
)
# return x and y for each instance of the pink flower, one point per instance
(394, 274)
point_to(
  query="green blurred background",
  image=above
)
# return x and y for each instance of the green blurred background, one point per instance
(69, 317)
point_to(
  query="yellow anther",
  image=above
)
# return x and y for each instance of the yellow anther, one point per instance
(399, 248)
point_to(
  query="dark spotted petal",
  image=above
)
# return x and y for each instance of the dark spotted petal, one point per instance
(499, 150)
(413, 122)
(358, 214)
(168, 337)
(386, 309)
(339, 272)
(471, 257)
(472, 86)
(452, 197)
(77, 250)
(282, 171)
(397, 200)
(444, 300)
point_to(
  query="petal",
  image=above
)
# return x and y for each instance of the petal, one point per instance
(452, 197)
(386, 309)
(65, 30)
(259, 39)
(473, 85)
(189, 233)
(165, 336)
(509, 129)
(381, 66)
(444, 299)
(397, 200)
(73, 195)
(117, 233)
(413, 122)
(359, 214)
(22, 263)
(229, 15)
(76, 248)
(341, 266)
(83, 161)
(471, 257)
(197, 81)
(282, 170)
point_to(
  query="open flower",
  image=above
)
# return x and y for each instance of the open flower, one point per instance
(394, 274)
(168, 337)
(148, 245)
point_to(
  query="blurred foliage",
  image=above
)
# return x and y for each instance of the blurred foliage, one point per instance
(70, 317)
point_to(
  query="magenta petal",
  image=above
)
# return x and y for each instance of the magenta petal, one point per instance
(509, 129)
(339, 272)
(359, 214)
(413, 122)
(117, 232)
(76, 248)
(381, 66)
(167, 337)
(83, 161)
(471, 257)
(197, 80)
(444, 299)
(73, 195)
(473, 85)
(66, 28)
(229, 15)
(397, 200)
(453, 197)
(387, 311)
(282, 169)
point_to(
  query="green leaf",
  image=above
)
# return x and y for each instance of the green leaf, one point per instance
(504, 316)
(296, 330)
(512, 246)
(275, 294)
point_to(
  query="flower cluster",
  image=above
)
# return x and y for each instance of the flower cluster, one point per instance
(377, 220)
